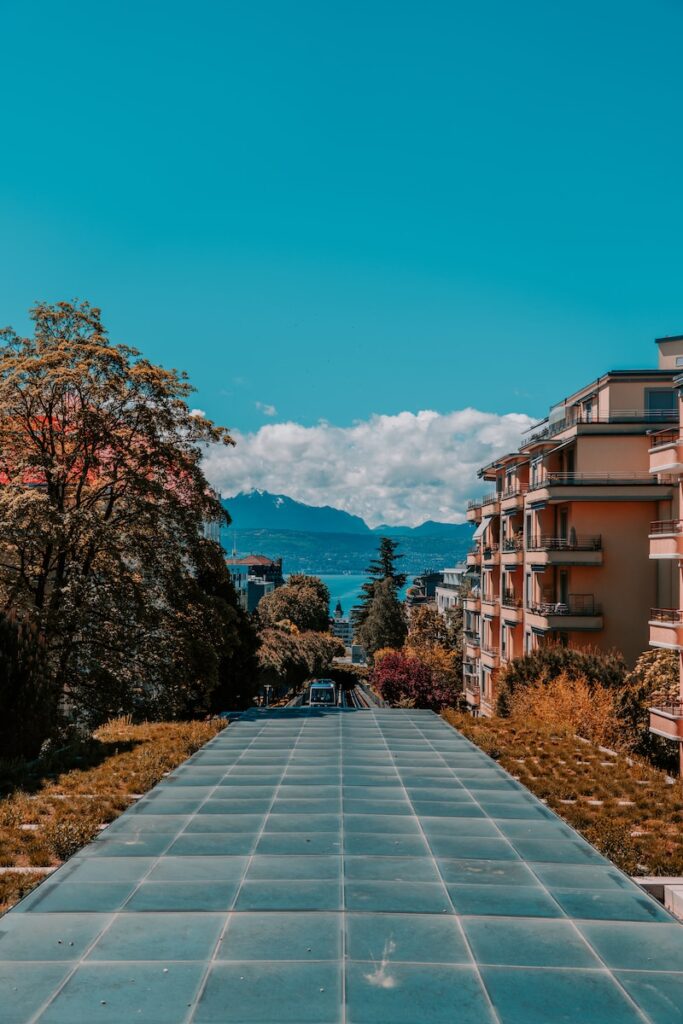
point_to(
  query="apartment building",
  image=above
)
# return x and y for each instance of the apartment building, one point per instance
(561, 539)
(666, 548)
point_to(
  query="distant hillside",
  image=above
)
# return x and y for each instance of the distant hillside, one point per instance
(260, 510)
(315, 552)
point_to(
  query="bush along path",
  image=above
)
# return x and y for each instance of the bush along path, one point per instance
(52, 807)
(630, 811)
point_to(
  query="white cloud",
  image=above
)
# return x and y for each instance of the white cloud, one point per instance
(267, 410)
(399, 469)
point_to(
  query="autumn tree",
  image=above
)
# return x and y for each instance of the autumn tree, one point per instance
(287, 657)
(102, 501)
(303, 601)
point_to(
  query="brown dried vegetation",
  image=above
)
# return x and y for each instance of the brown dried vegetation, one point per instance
(51, 809)
(629, 810)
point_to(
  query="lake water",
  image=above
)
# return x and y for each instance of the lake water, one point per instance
(347, 589)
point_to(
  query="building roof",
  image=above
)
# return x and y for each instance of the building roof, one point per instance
(251, 560)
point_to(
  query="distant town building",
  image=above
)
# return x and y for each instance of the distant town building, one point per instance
(254, 576)
(448, 591)
(341, 626)
(423, 589)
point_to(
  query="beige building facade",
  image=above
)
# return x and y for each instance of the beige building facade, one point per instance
(562, 537)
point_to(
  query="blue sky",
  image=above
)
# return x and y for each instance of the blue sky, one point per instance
(346, 209)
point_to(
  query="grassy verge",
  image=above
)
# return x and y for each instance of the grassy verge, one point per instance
(50, 808)
(627, 810)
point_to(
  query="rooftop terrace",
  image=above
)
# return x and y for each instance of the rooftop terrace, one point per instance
(356, 867)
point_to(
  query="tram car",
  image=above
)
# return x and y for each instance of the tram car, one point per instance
(322, 693)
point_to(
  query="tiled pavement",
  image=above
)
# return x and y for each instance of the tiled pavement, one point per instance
(367, 867)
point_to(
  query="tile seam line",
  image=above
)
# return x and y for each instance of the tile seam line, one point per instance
(487, 996)
(211, 962)
(629, 998)
(44, 1006)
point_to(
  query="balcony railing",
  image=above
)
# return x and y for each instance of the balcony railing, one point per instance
(576, 604)
(490, 550)
(489, 499)
(579, 479)
(491, 649)
(667, 526)
(674, 710)
(510, 599)
(663, 438)
(471, 637)
(616, 416)
(490, 598)
(571, 543)
(474, 503)
(512, 492)
(673, 615)
(513, 544)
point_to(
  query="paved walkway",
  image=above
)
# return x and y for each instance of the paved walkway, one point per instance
(316, 867)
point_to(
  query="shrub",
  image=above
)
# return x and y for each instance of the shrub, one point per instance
(596, 667)
(567, 702)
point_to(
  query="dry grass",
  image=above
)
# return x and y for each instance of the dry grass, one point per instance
(627, 810)
(66, 801)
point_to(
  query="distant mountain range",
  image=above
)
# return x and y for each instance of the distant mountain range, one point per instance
(328, 540)
(260, 510)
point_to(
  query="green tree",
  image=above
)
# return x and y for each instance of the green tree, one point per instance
(385, 622)
(287, 657)
(653, 681)
(303, 601)
(382, 567)
(102, 501)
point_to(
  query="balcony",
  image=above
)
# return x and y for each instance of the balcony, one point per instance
(577, 417)
(579, 614)
(559, 487)
(472, 693)
(666, 628)
(666, 452)
(666, 539)
(474, 510)
(490, 554)
(512, 498)
(511, 607)
(472, 644)
(490, 503)
(572, 550)
(472, 602)
(667, 721)
(513, 551)
(490, 655)
(489, 604)
(474, 555)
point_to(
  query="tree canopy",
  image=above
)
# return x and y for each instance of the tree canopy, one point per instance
(102, 504)
(382, 567)
(303, 601)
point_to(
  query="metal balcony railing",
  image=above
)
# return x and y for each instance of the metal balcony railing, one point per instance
(674, 615)
(554, 479)
(491, 649)
(576, 604)
(664, 438)
(577, 416)
(513, 544)
(674, 710)
(512, 492)
(667, 526)
(490, 498)
(572, 543)
(489, 550)
(474, 503)
(510, 599)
